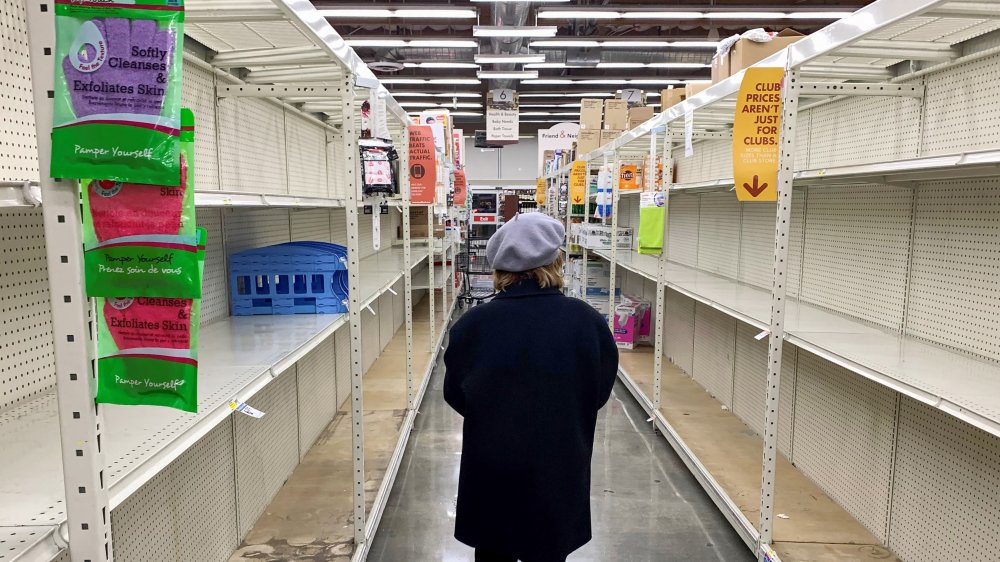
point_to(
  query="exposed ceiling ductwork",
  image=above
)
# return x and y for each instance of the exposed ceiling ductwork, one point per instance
(508, 14)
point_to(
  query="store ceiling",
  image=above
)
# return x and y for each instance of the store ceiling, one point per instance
(425, 51)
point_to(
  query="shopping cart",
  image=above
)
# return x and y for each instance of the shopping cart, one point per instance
(477, 275)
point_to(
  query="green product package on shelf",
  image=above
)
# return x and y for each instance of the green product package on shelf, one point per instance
(118, 90)
(652, 213)
(147, 348)
(140, 240)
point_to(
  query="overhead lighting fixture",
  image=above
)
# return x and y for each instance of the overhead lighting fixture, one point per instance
(637, 44)
(403, 81)
(465, 114)
(552, 105)
(547, 114)
(564, 43)
(443, 43)
(514, 31)
(425, 13)
(551, 81)
(578, 15)
(621, 65)
(509, 59)
(745, 15)
(661, 15)
(376, 42)
(436, 94)
(428, 12)
(507, 74)
(548, 65)
(456, 81)
(440, 104)
(565, 94)
(440, 64)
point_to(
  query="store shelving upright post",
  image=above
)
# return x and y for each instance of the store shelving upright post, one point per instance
(81, 420)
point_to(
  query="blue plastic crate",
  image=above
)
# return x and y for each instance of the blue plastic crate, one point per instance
(292, 278)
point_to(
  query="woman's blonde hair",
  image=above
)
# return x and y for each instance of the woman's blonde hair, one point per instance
(547, 276)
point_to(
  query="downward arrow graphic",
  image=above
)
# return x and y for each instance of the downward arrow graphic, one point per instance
(757, 187)
(577, 199)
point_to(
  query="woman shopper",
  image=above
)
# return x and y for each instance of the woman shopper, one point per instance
(528, 371)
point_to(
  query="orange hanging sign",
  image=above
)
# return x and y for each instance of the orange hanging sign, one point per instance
(757, 133)
(629, 177)
(540, 188)
(423, 165)
(578, 182)
(461, 188)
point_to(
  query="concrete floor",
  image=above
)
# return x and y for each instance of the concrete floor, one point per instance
(646, 505)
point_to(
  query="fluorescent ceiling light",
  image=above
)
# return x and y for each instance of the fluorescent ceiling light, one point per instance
(547, 114)
(745, 15)
(376, 42)
(465, 114)
(439, 104)
(547, 65)
(640, 44)
(433, 13)
(514, 31)
(661, 15)
(548, 81)
(556, 105)
(453, 81)
(443, 43)
(429, 12)
(507, 74)
(355, 13)
(565, 94)
(579, 14)
(509, 59)
(818, 15)
(621, 65)
(403, 81)
(564, 43)
(436, 94)
(441, 64)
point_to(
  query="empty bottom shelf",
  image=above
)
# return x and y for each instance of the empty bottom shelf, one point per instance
(817, 529)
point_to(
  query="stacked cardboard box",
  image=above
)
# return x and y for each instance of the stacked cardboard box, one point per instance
(671, 97)
(746, 52)
(591, 114)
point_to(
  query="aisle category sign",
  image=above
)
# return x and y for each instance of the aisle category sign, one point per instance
(578, 182)
(756, 134)
(540, 188)
(461, 188)
(423, 165)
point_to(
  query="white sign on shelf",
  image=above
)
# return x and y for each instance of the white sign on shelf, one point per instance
(503, 96)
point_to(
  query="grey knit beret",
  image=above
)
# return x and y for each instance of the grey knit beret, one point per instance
(528, 241)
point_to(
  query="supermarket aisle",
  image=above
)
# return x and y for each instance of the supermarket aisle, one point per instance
(647, 506)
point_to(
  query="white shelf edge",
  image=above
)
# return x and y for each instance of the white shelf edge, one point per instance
(799, 338)
(234, 199)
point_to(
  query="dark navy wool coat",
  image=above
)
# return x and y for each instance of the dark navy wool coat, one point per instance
(528, 371)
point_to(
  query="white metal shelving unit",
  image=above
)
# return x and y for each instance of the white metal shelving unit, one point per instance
(892, 400)
(276, 157)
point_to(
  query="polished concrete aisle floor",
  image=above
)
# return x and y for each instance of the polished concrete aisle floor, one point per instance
(646, 505)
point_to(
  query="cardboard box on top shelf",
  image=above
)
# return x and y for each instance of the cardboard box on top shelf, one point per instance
(692, 89)
(615, 114)
(639, 115)
(746, 53)
(608, 135)
(671, 97)
(588, 141)
(720, 67)
(591, 113)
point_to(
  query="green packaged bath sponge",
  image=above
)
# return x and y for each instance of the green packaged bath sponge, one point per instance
(118, 90)
(140, 239)
(147, 349)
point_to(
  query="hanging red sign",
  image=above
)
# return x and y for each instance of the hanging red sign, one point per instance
(423, 165)
(461, 188)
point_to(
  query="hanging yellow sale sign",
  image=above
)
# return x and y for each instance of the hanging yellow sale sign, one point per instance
(540, 188)
(756, 134)
(578, 182)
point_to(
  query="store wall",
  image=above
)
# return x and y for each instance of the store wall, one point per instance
(516, 162)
